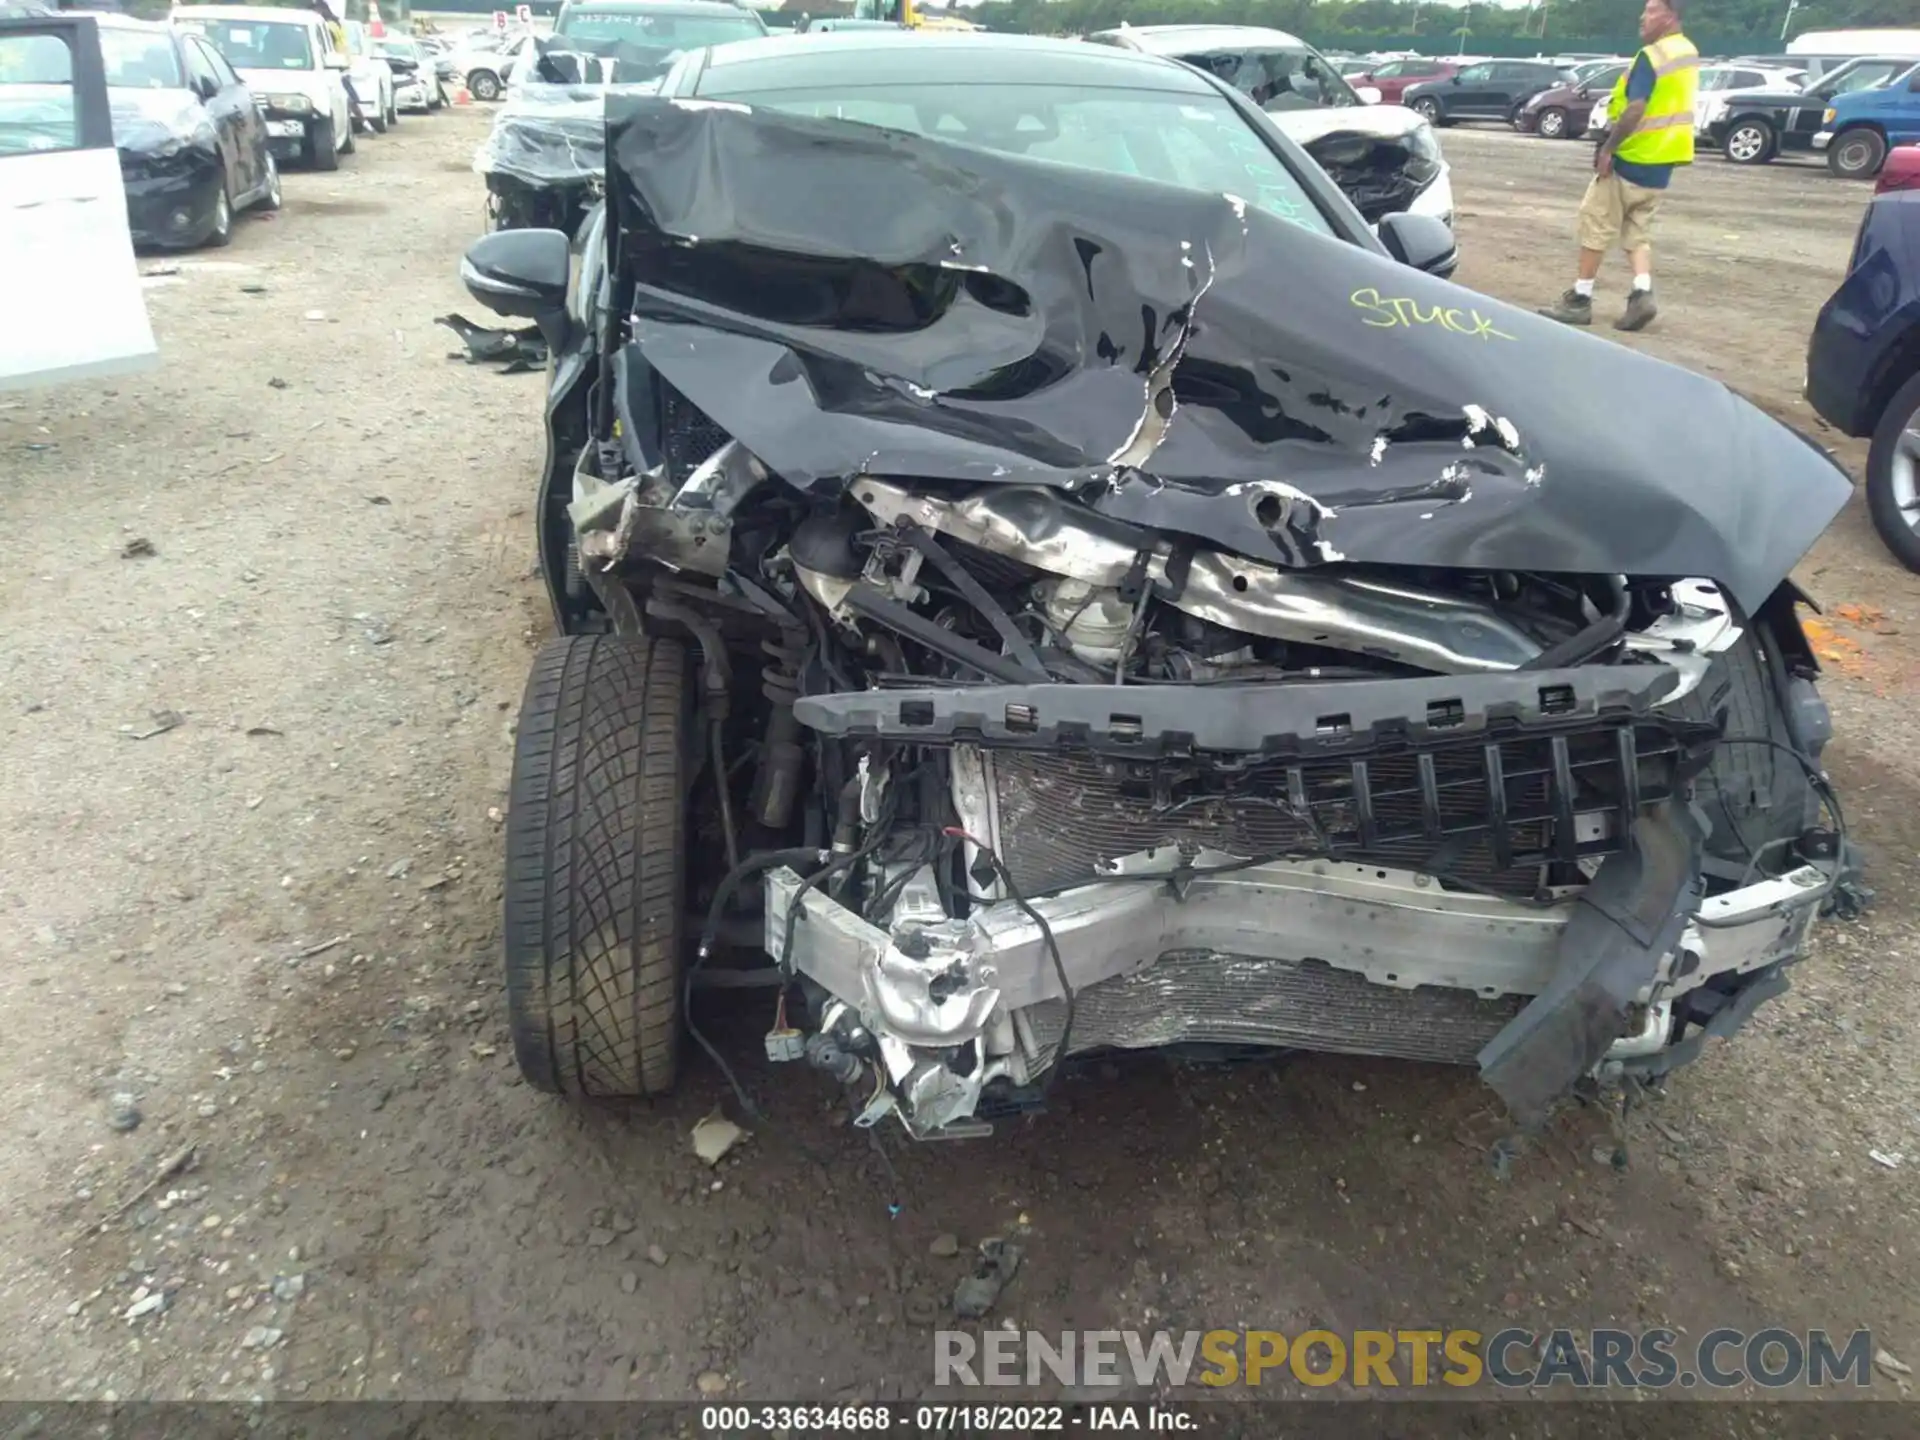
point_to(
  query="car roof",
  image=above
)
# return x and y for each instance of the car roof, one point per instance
(891, 57)
(264, 14)
(1172, 39)
(112, 20)
(662, 7)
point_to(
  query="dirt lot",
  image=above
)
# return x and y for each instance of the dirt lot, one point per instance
(275, 926)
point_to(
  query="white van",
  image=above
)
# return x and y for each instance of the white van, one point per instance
(289, 61)
(1856, 42)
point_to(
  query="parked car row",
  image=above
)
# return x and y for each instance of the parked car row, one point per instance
(207, 107)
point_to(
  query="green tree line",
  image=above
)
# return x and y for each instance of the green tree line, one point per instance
(1440, 28)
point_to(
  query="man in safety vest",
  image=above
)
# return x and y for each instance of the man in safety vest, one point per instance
(1650, 130)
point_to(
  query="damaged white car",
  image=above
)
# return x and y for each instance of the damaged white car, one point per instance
(1025, 592)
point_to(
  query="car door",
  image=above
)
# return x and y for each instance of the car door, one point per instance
(1902, 112)
(205, 85)
(1513, 84)
(69, 288)
(233, 108)
(1471, 92)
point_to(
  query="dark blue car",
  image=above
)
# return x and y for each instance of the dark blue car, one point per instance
(1863, 362)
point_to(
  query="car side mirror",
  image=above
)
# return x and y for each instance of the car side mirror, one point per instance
(1424, 242)
(1453, 79)
(206, 89)
(522, 273)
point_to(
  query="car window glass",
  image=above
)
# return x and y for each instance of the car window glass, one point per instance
(1392, 70)
(222, 71)
(1476, 74)
(1865, 76)
(36, 95)
(1199, 142)
(200, 72)
(1276, 78)
(257, 45)
(139, 60)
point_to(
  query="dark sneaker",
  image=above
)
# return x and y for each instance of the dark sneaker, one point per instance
(1572, 308)
(1640, 311)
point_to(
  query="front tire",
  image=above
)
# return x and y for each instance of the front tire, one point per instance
(1429, 110)
(221, 235)
(483, 85)
(1857, 154)
(1750, 142)
(273, 198)
(320, 152)
(595, 872)
(1893, 475)
(1552, 123)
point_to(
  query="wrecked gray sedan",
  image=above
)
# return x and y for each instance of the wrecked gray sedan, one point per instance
(1026, 593)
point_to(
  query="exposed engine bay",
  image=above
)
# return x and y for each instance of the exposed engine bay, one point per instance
(1283, 706)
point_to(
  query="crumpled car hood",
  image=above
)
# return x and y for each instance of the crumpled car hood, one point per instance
(145, 119)
(1306, 126)
(845, 299)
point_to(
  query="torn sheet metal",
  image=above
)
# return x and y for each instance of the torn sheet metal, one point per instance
(848, 300)
(552, 134)
(515, 351)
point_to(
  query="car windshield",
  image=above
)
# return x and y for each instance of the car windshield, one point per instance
(651, 30)
(1864, 76)
(1199, 142)
(257, 45)
(403, 49)
(140, 60)
(1277, 77)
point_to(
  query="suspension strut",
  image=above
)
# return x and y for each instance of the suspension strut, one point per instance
(777, 784)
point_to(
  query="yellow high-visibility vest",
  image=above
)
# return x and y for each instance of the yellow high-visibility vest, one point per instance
(1664, 135)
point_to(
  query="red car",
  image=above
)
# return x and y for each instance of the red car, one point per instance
(1393, 77)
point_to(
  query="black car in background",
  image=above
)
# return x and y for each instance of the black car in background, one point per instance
(1863, 359)
(1757, 127)
(1489, 90)
(193, 148)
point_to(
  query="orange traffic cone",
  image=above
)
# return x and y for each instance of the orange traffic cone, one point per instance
(376, 27)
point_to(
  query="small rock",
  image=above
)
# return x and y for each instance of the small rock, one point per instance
(1359, 1087)
(945, 1246)
(623, 1224)
(316, 315)
(122, 1114)
(147, 1305)
(1886, 1364)
(277, 383)
(656, 1255)
(398, 870)
(209, 1110)
(710, 1383)
(599, 1237)
(975, 1295)
(260, 1337)
(629, 1282)
(289, 1287)
(138, 548)
(714, 1136)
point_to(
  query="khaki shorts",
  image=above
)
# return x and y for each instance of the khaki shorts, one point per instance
(1616, 210)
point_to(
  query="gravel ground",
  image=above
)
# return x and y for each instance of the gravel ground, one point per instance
(266, 938)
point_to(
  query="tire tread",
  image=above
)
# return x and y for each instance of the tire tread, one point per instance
(594, 867)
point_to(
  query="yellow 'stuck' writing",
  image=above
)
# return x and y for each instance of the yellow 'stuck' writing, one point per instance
(1388, 312)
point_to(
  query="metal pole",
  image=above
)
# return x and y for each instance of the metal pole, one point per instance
(1792, 5)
